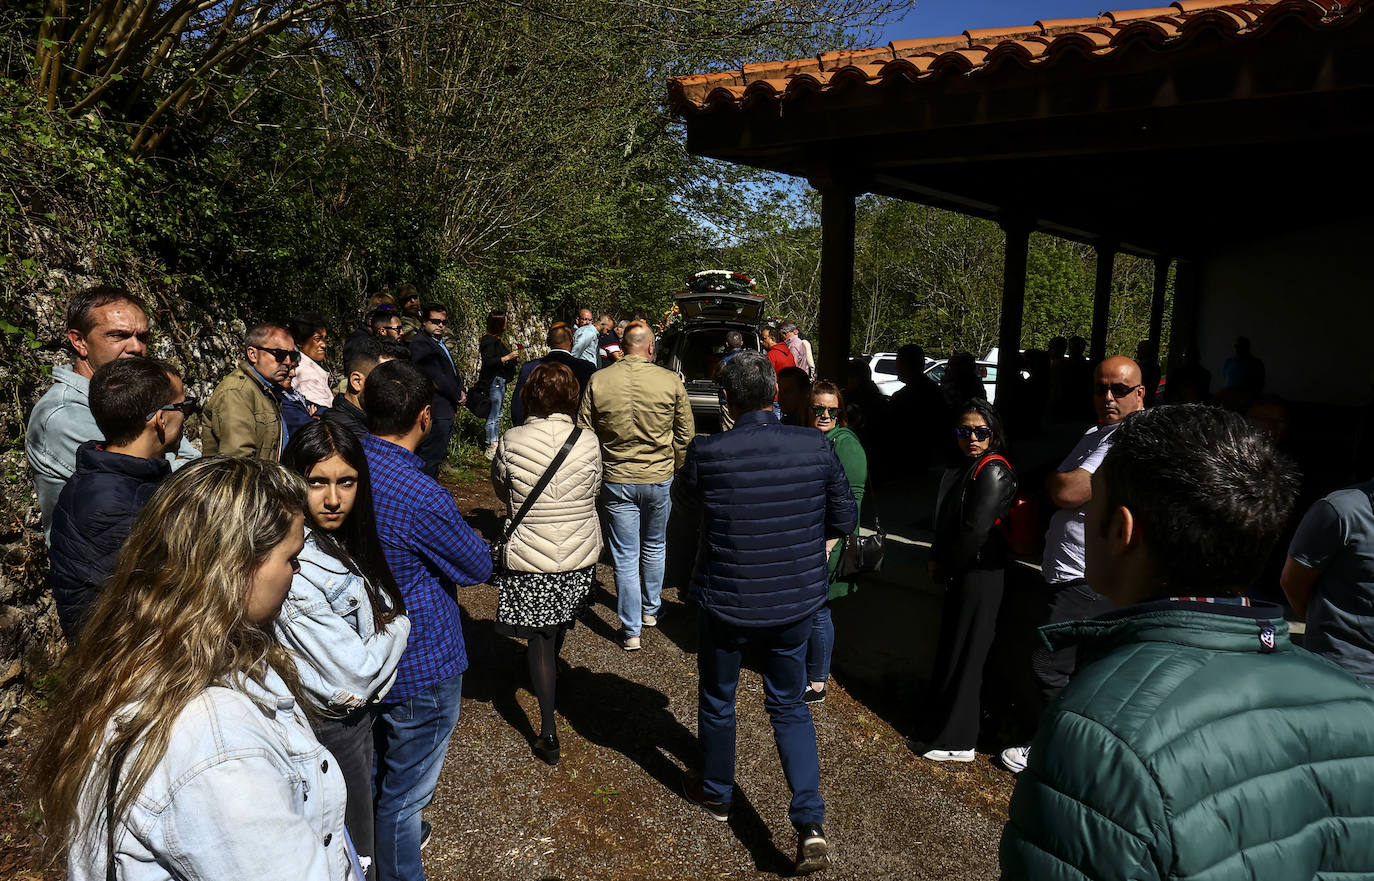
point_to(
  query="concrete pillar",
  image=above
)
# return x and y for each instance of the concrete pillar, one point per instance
(1013, 305)
(837, 281)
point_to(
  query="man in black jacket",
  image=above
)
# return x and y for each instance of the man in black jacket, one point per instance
(140, 407)
(767, 497)
(560, 340)
(430, 354)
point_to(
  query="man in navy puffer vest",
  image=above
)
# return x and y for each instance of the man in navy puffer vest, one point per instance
(766, 497)
(139, 406)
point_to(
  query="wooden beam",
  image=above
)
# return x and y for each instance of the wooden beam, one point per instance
(1157, 301)
(837, 280)
(1018, 232)
(1102, 300)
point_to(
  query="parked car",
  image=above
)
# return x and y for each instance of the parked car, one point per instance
(987, 372)
(716, 302)
(883, 366)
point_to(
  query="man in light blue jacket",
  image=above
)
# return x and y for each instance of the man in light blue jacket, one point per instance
(103, 323)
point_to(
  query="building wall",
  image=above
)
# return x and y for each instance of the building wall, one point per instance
(1306, 301)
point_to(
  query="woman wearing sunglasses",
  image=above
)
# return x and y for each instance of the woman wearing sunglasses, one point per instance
(828, 414)
(969, 556)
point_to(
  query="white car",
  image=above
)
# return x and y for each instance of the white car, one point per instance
(883, 366)
(987, 372)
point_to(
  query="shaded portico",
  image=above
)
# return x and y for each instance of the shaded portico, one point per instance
(1178, 134)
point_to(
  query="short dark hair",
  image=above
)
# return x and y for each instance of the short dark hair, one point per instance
(428, 307)
(749, 380)
(550, 388)
(559, 336)
(303, 326)
(734, 340)
(366, 352)
(1207, 490)
(998, 442)
(395, 394)
(379, 312)
(262, 332)
(124, 392)
(87, 300)
(797, 374)
(912, 355)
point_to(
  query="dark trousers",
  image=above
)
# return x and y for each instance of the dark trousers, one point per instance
(968, 624)
(349, 740)
(434, 448)
(1069, 601)
(783, 649)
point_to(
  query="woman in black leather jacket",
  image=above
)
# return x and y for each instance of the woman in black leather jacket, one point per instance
(969, 556)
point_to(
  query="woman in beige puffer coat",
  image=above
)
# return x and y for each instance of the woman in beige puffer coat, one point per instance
(550, 558)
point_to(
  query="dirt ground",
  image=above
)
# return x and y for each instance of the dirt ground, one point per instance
(612, 808)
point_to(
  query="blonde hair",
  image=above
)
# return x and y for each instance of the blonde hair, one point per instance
(172, 622)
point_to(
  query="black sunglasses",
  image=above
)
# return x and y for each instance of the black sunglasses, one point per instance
(832, 412)
(982, 432)
(1118, 389)
(188, 407)
(282, 355)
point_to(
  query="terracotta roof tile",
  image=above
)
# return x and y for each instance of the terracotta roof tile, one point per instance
(919, 58)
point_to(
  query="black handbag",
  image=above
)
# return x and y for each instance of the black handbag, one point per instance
(498, 548)
(861, 554)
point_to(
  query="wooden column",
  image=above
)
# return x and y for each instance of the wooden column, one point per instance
(1102, 300)
(1157, 301)
(837, 280)
(1013, 306)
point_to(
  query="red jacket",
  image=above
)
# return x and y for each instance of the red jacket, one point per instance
(781, 356)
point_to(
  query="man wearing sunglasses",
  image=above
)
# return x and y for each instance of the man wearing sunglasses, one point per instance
(103, 324)
(1117, 393)
(243, 416)
(140, 407)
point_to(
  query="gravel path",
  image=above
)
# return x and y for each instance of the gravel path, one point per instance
(611, 809)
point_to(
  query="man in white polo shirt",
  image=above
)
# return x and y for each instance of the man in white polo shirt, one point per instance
(1117, 393)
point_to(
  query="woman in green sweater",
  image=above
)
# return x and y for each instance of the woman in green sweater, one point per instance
(827, 405)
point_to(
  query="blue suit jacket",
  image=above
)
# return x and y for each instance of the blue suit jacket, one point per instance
(765, 497)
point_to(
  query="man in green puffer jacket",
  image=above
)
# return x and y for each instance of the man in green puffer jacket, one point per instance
(1194, 741)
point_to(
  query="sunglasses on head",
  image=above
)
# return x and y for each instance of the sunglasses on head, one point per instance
(832, 412)
(282, 355)
(1118, 389)
(188, 407)
(981, 433)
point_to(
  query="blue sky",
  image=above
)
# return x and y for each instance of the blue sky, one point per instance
(940, 18)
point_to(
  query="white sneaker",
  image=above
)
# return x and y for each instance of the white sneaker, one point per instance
(949, 755)
(649, 621)
(630, 643)
(490, 451)
(1014, 758)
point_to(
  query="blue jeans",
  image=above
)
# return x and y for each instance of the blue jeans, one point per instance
(637, 520)
(412, 740)
(819, 645)
(784, 677)
(497, 392)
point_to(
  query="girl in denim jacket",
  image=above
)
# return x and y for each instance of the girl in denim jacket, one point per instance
(180, 749)
(344, 616)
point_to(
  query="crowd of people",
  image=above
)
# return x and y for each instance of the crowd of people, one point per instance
(267, 654)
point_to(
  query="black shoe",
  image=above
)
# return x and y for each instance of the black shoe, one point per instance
(813, 851)
(691, 789)
(546, 747)
(425, 832)
(811, 696)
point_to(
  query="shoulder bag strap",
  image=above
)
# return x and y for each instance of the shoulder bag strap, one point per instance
(995, 457)
(543, 481)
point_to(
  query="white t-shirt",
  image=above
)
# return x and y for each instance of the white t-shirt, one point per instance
(1064, 551)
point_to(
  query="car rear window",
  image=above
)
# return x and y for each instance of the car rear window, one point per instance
(886, 365)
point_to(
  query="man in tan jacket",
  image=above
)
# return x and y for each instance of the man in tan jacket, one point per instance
(243, 416)
(643, 419)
